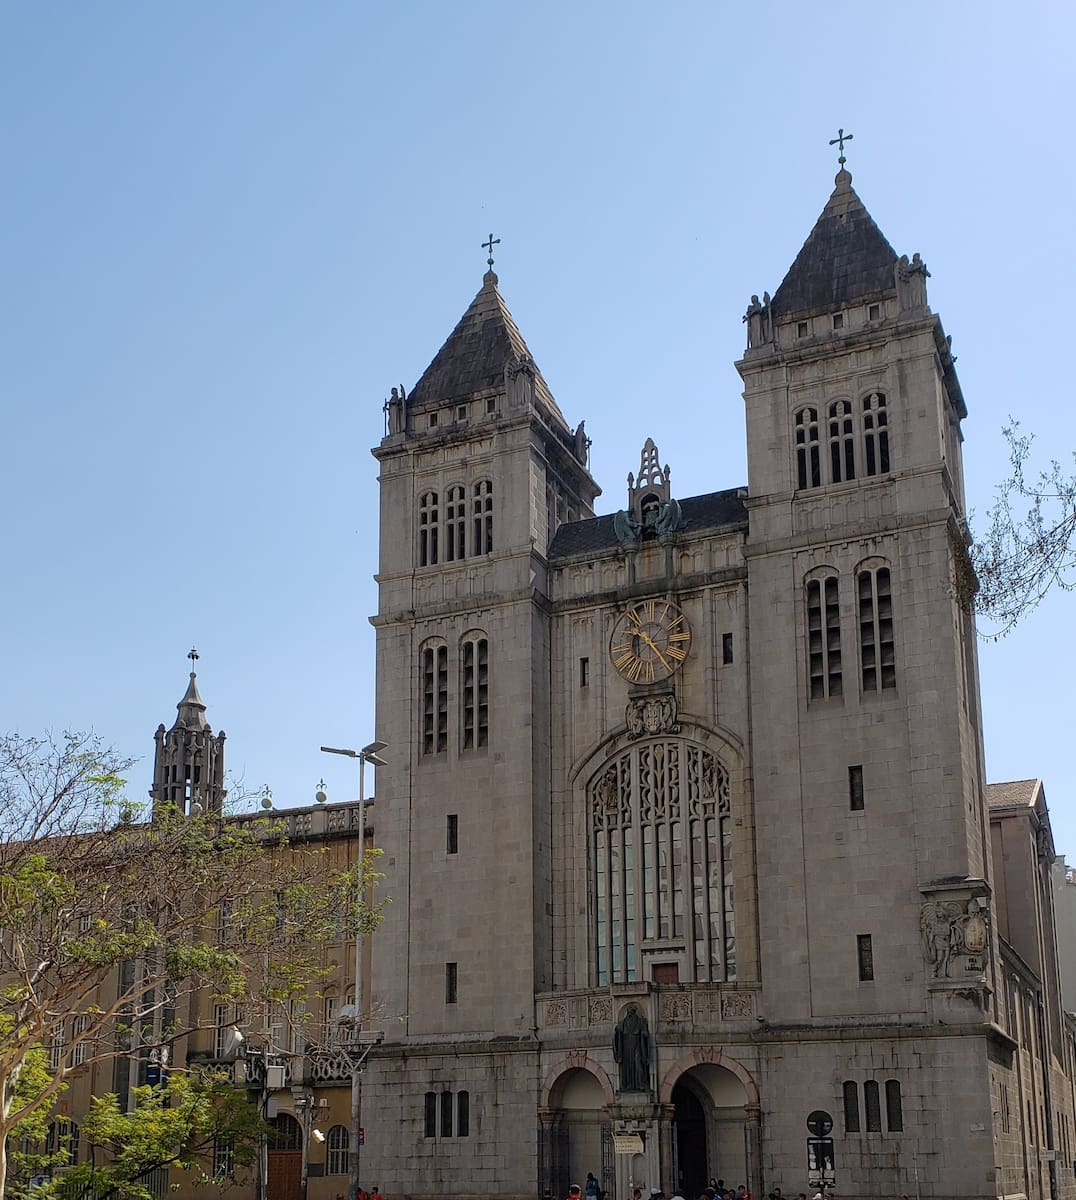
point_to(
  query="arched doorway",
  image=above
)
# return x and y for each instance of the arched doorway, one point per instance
(578, 1128)
(710, 1128)
(692, 1159)
(285, 1181)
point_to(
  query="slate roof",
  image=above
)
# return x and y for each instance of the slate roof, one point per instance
(845, 258)
(474, 356)
(716, 510)
(1020, 793)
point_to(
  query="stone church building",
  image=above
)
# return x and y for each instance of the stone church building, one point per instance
(685, 827)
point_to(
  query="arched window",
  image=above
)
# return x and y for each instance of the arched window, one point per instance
(434, 699)
(808, 462)
(286, 1134)
(875, 434)
(872, 1106)
(463, 1114)
(336, 1148)
(455, 524)
(876, 649)
(823, 638)
(482, 542)
(446, 1114)
(894, 1112)
(842, 442)
(661, 849)
(851, 1106)
(430, 1115)
(474, 692)
(428, 529)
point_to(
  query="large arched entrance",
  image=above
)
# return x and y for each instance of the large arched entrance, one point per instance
(577, 1128)
(710, 1124)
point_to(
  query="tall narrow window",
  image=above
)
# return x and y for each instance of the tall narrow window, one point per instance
(662, 862)
(872, 1106)
(434, 699)
(851, 1107)
(57, 1046)
(80, 1046)
(823, 638)
(455, 524)
(452, 836)
(451, 982)
(877, 655)
(431, 1115)
(894, 1111)
(223, 1158)
(463, 1114)
(855, 789)
(865, 953)
(446, 1114)
(808, 464)
(842, 442)
(475, 692)
(428, 529)
(483, 517)
(875, 434)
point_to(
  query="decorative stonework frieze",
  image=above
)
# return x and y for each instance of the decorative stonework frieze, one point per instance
(556, 1013)
(651, 715)
(956, 937)
(676, 1007)
(737, 1006)
(601, 1009)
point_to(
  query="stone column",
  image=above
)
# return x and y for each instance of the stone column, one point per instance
(548, 1119)
(666, 1163)
(753, 1138)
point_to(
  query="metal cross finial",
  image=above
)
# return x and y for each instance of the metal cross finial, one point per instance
(489, 246)
(839, 140)
(193, 656)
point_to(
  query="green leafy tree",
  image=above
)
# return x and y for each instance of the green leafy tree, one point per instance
(202, 1123)
(109, 924)
(1029, 544)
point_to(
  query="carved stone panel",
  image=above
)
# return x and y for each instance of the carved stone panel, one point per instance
(737, 1006)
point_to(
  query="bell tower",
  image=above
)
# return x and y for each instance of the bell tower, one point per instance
(188, 760)
(867, 732)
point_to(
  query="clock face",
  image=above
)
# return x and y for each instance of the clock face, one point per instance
(650, 641)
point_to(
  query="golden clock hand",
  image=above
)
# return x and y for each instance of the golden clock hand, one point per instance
(650, 642)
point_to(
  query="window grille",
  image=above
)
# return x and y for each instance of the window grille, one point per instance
(808, 461)
(824, 638)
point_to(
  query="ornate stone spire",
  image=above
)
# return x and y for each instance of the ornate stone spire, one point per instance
(188, 762)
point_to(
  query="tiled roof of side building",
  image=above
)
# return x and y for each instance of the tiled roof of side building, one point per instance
(1019, 793)
(715, 510)
(845, 258)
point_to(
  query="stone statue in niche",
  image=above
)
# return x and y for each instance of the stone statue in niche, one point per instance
(633, 1050)
(652, 511)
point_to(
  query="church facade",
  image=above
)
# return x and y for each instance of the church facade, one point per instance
(685, 826)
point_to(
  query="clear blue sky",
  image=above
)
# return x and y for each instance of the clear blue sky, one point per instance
(228, 230)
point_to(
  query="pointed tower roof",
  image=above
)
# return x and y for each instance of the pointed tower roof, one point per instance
(845, 258)
(192, 707)
(473, 359)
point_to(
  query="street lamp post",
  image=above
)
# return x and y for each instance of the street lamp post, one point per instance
(368, 754)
